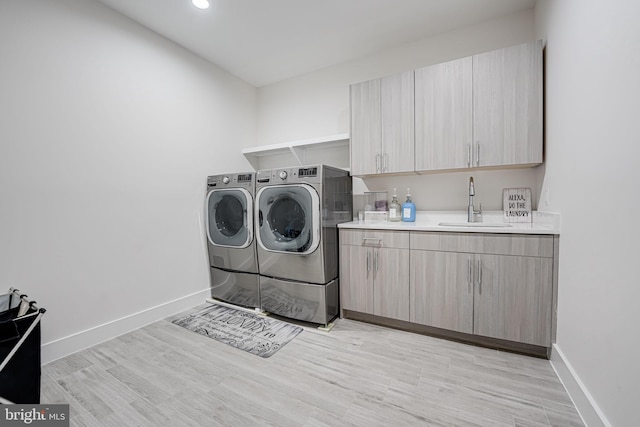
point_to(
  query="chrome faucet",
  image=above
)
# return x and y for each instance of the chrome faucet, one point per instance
(471, 210)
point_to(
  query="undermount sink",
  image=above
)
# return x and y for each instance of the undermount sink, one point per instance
(476, 224)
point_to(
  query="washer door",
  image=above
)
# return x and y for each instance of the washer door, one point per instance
(288, 218)
(230, 217)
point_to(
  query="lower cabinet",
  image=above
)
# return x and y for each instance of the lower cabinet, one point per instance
(489, 285)
(513, 298)
(496, 296)
(374, 272)
(441, 290)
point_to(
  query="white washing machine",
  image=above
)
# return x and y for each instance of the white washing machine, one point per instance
(297, 211)
(231, 239)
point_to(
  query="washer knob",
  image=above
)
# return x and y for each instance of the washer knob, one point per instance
(283, 175)
(225, 180)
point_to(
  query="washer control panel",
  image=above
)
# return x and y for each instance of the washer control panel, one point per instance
(241, 180)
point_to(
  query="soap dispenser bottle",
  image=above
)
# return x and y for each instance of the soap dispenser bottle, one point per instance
(408, 209)
(395, 210)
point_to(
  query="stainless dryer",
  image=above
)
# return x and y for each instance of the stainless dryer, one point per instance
(231, 240)
(297, 211)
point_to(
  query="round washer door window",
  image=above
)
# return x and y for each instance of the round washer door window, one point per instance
(288, 218)
(230, 218)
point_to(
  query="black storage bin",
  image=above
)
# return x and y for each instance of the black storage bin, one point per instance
(20, 335)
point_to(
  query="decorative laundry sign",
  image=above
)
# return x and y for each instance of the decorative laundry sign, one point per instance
(516, 204)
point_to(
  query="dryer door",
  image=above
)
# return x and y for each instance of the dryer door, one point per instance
(230, 217)
(288, 218)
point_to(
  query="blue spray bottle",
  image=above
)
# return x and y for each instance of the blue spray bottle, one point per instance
(408, 209)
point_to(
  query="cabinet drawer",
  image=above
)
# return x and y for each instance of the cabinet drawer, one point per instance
(484, 243)
(375, 238)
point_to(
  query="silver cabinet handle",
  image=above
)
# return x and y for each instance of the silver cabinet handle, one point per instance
(376, 239)
(480, 276)
(468, 155)
(469, 273)
(385, 167)
(378, 163)
(368, 262)
(375, 258)
(477, 154)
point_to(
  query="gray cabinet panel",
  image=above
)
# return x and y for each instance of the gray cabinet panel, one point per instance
(444, 113)
(513, 298)
(366, 128)
(441, 290)
(397, 93)
(356, 279)
(488, 243)
(382, 130)
(375, 238)
(391, 283)
(507, 106)
(374, 275)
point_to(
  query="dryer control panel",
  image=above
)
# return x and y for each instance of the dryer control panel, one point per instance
(313, 171)
(304, 174)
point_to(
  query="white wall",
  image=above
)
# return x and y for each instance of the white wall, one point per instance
(317, 104)
(593, 145)
(107, 134)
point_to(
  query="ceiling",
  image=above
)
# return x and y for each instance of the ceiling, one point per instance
(266, 41)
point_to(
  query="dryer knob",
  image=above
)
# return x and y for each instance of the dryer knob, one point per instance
(225, 180)
(283, 175)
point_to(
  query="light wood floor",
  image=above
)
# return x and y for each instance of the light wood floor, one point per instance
(357, 374)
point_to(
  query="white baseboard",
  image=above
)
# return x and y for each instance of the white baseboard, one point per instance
(591, 414)
(70, 344)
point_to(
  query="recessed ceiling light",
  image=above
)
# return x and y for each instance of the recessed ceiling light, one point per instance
(201, 4)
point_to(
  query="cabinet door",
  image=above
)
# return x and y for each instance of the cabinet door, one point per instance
(443, 111)
(507, 106)
(513, 298)
(397, 97)
(366, 128)
(441, 290)
(391, 283)
(356, 278)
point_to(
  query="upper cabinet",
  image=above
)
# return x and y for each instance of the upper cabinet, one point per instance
(366, 128)
(397, 122)
(444, 115)
(382, 129)
(480, 111)
(507, 106)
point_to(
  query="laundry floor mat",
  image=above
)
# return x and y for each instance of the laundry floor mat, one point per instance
(247, 331)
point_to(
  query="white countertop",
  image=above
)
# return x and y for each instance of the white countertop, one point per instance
(543, 223)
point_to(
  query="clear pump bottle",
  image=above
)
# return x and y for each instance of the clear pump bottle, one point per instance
(408, 209)
(395, 210)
